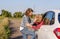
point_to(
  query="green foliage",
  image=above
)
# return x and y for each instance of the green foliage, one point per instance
(6, 13)
(33, 16)
(4, 29)
(17, 14)
(7, 31)
(2, 33)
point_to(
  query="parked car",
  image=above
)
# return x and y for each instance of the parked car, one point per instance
(47, 31)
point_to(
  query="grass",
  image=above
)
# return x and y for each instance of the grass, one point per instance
(15, 18)
(1, 17)
(4, 28)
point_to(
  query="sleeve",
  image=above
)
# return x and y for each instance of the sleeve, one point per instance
(38, 26)
(24, 20)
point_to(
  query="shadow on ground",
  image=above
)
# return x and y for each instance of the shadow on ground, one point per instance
(13, 30)
(19, 37)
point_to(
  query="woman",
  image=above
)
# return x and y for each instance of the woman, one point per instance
(27, 24)
(39, 22)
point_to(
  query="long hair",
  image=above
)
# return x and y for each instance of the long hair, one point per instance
(28, 11)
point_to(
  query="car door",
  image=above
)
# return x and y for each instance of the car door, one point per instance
(46, 31)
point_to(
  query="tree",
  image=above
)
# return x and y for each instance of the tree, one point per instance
(9, 14)
(6, 13)
(17, 14)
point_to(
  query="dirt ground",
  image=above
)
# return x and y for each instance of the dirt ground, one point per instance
(14, 26)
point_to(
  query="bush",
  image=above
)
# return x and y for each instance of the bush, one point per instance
(5, 21)
(17, 14)
(6, 13)
(4, 29)
(3, 33)
(7, 30)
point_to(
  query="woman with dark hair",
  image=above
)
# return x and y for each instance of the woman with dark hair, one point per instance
(27, 24)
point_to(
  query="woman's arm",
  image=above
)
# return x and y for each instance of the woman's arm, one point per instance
(25, 22)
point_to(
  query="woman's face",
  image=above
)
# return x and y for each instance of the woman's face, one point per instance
(30, 13)
(39, 18)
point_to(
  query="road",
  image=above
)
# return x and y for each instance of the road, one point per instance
(14, 26)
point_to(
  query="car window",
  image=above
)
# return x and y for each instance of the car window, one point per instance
(49, 18)
(59, 17)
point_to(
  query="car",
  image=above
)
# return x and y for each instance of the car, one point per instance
(47, 31)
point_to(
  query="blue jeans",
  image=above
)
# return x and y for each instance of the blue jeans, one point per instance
(26, 32)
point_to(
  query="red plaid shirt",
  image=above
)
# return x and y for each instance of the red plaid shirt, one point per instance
(39, 24)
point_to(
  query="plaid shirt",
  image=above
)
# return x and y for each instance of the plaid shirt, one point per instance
(24, 21)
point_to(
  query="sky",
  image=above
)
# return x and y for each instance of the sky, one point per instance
(39, 6)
